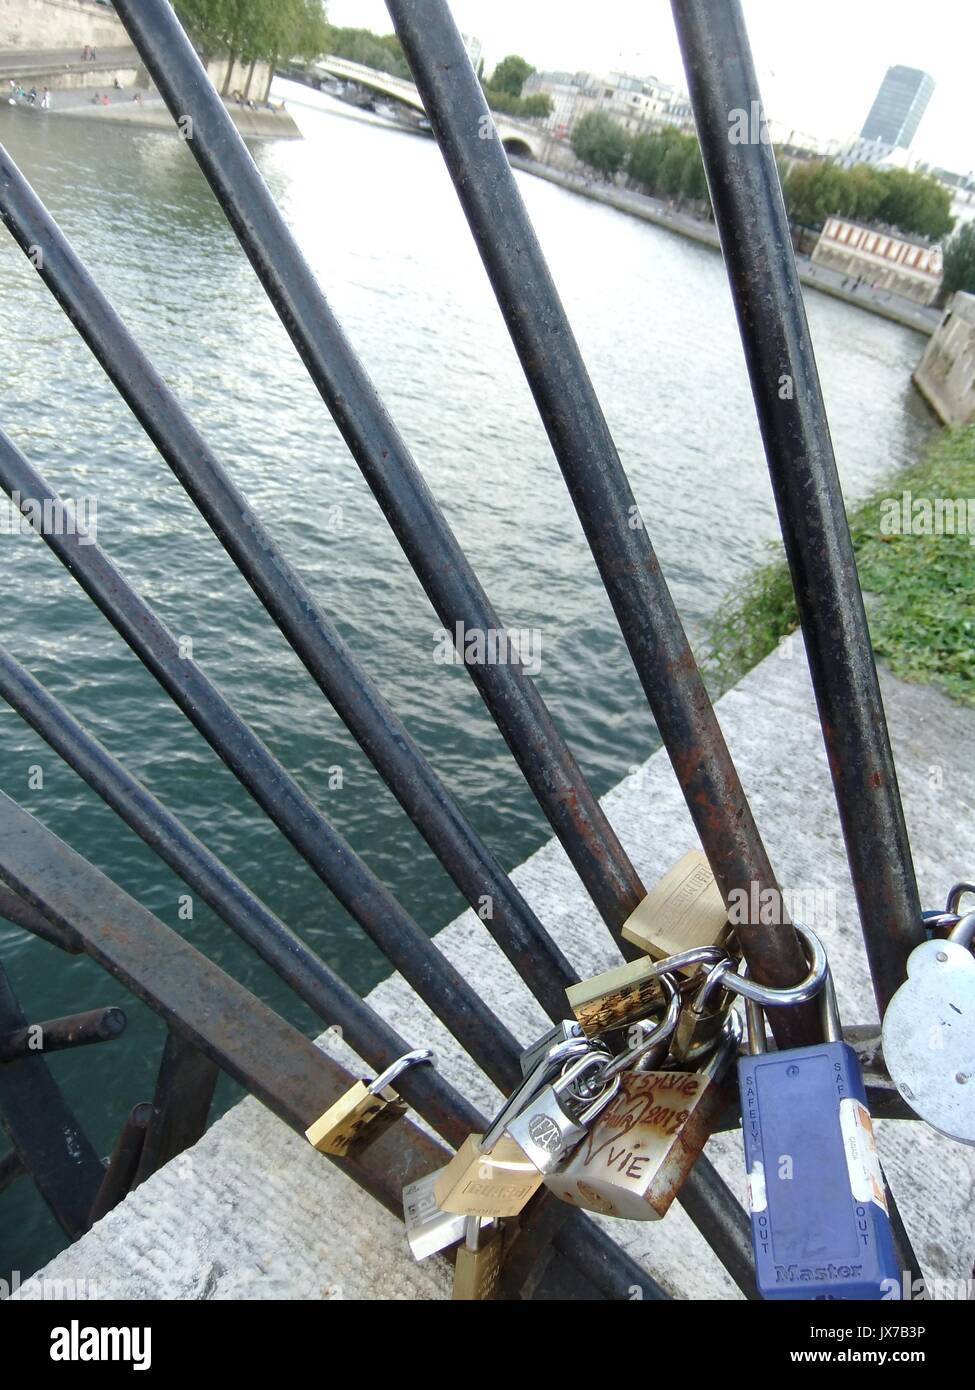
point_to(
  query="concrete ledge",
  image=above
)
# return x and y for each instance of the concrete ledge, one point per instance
(253, 1212)
(154, 115)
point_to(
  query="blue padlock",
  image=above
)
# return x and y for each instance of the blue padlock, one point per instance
(820, 1226)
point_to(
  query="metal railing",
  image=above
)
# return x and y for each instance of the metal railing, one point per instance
(213, 1022)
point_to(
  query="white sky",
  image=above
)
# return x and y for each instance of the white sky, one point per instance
(819, 65)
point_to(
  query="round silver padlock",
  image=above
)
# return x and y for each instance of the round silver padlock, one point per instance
(928, 1030)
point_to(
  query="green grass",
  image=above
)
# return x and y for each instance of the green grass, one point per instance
(920, 589)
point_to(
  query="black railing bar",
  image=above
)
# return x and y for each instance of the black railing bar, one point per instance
(22, 914)
(754, 230)
(721, 1220)
(384, 459)
(325, 992)
(438, 983)
(597, 483)
(272, 1060)
(357, 700)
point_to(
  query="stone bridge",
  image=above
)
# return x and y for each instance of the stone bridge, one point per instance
(521, 138)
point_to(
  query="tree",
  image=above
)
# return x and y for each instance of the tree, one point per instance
(959, 273)
(600, 142)
(251, 31)
(510, 75)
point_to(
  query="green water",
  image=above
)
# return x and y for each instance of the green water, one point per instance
(377, 218)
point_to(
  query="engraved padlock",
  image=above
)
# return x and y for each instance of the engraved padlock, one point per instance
(928, 1030)
(490, 1175)
(478, 1264)
(365, 1111)
(554, 1121)
(634, 1159)
(685, 909)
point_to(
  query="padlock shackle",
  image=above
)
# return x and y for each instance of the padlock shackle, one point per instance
(663, 1030)
(726, 975)
(395, 1069)
(534, 1081)
(955, 895)
(963, 933)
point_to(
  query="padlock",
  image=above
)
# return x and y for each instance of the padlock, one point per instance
(478, 1264)
(928, 1031)
(566, 1031)
(685, 909)
(634, 1159)
(820, 1226)
(553, 1122)
(366, 1111)
(429, 1229)
(490, 1175)
(630, 992)
(701, 1023)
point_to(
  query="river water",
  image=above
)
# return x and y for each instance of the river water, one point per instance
(375, 214)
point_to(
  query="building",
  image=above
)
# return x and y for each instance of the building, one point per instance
(898, 107)
(637, 103)
(894, 263)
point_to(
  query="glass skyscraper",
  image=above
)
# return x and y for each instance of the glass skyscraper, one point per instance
(898, 107)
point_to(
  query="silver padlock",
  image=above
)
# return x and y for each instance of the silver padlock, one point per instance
(928, 1030)
(429, 1229)
(633, 1160)
(556, 1119)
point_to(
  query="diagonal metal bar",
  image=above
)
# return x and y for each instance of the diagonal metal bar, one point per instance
(368, 900)
(754, 230)
(47, 1138)
(180, 1106)
(123, 1163)
(294, 961)
(313, 636)
(286, 1072)
(382, 455)
(597, 484)
(15, 910)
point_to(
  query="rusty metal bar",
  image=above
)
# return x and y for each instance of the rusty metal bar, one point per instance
(367, 900)
(184, 1093)
(598, 486)
(46, 1137)
(754, 230)
(59, 1034)
(280, 1067)
(355, 697)
(123, 1164)
(382, 454)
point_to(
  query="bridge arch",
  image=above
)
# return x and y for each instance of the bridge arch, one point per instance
(517, 145)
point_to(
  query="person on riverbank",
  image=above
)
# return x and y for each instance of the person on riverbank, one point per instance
(32, 97)
(46, 99)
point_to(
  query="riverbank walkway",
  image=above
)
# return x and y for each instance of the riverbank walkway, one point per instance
(253, 1212)
(51, 62)
(890, 306)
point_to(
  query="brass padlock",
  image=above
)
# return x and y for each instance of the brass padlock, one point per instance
(366, 1111)
(685, 909)
(478, 1264)
(617, 997)
(634, 1159)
